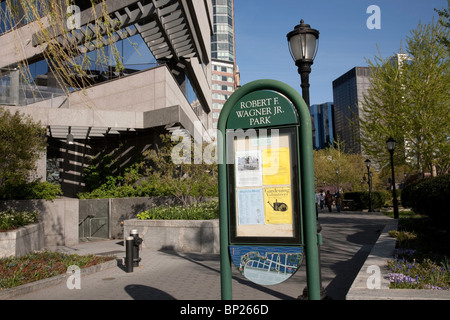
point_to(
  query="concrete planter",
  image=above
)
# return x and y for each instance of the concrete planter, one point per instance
(21, 241)
(179, 235)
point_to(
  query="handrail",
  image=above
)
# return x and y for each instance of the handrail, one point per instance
(88, 217)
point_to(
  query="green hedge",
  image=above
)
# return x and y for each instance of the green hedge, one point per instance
(202, 211)
(429, 197)
(361, 199)
(30, 190)
(145, 188)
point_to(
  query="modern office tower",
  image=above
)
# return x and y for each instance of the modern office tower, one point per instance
(323, 116)
(348, 95)
(225, 74)
(147, 71)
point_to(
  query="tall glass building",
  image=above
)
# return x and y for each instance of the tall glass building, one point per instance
(323, 115)
(348, 95)
(225, 75)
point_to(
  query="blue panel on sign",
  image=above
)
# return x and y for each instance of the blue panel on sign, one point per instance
(267, 265)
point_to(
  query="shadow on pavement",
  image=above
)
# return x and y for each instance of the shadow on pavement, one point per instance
(197, 258)
(140, 292)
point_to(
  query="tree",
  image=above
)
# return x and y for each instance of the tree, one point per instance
(444, 20)
(187, 177)
(21, 143)
(409, 100)
(333, 167)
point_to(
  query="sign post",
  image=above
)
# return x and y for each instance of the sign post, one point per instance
(266, 187)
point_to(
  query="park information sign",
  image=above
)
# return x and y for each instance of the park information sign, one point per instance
(266, 186)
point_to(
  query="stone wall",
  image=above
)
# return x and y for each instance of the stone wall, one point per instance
(60, 218)
(179, 235)
(21, 241)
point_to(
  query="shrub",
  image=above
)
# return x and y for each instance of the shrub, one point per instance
(361, 199)
(408, 194)
(145, 188)
(12, 219)
(30, 190)
(202, 211)
(21, 142)
(429, 197)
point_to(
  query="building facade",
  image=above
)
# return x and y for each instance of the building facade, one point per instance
(225, 74)
(323, 115)
(164, 81)
(348, 95)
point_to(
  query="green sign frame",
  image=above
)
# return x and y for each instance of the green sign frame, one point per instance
(270, 104)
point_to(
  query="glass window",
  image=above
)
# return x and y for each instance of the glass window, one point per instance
(5, 22)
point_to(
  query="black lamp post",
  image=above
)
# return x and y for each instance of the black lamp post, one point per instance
(391, 147)
(303, 45)
(369, 181)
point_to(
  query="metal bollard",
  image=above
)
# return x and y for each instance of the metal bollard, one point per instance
(136, 245)
(129, 254)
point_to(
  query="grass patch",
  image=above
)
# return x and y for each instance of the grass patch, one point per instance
(422, 255)
(16, 271)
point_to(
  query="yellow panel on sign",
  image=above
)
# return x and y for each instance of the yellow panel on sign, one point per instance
(278, 205)
(276, 166)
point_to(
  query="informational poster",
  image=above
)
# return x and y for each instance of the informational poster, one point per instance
(250, 206)
(248, 168)
(263, 186)
(276, 166)
(278, 207)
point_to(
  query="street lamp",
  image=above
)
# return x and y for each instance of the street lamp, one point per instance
(391, 147)
(303, 48)
(303, 45)
(369, 181)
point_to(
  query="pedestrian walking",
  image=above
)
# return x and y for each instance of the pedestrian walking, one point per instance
(322, 199)
(338, 202)
(317, 203)
(328, 200)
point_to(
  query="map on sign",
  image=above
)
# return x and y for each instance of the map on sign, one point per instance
(267, 265)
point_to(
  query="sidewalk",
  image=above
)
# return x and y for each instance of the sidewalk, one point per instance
(167, 275)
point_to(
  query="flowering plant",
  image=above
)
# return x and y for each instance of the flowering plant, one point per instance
(407, 272)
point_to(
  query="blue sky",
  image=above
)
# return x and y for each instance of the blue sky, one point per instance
(344, 42)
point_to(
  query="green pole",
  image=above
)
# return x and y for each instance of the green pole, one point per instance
(310, 218)
(307, 186)
(306, 183)
(225, 262)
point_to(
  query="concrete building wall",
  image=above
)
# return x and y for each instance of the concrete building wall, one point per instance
(17, 45)
(128, 110)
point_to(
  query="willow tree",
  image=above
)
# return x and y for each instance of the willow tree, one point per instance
(66, 48)
(409, 100)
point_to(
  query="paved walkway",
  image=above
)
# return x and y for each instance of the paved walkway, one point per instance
(163, 275)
